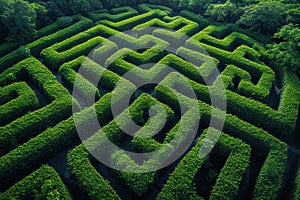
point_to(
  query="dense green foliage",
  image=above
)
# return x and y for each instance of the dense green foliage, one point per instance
(39, 71)
(19, 18)
(286, 54)
(44, 183)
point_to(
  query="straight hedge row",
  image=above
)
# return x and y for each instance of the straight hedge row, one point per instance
(8, 47)
(14, 57)
(44, 183)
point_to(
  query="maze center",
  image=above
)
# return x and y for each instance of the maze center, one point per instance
(228, 131)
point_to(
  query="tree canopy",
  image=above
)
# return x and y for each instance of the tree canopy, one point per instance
(264, 17)
(286, 53)
(19, 18)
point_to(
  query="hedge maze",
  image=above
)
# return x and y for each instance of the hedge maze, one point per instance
(41, 153)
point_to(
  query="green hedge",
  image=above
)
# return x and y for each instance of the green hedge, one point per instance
(93, 71)
(90, 180)
(80, 24)
(114, 15)
(296, 187)
(78, 45)
(129, 23)
(180, 183)
(196, 18)
(137, 182)
(207, 65)
(222, 37)
(33, 123)
(279, 122)
(24, 101)
(148, 7)
(14, 57)
(126, 60)
(44, 183)
(265, 144)
(8, 47)
(236, 57)
(59, 137)
(204, 22)
(178, 24)
(246, 87)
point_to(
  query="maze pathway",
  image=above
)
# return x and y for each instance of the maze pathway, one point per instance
(42, 156)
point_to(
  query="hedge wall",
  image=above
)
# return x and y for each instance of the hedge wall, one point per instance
(44, 183)
(180, 183)
(18, 96)
(114, 15)
(33, 123)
